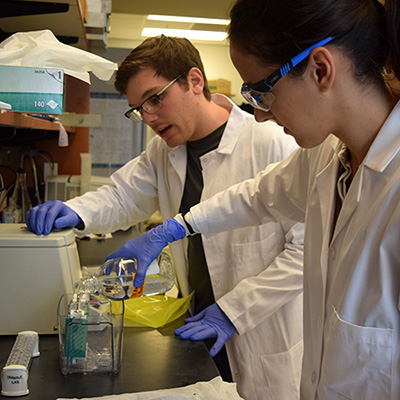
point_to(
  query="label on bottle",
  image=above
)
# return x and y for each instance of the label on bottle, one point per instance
(12, 216)
(136, 292)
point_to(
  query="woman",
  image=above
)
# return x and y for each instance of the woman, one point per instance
(334, 98)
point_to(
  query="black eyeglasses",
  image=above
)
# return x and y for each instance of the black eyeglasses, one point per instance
(259, 95)
(151, 105)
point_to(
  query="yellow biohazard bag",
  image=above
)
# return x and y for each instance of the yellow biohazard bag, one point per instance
(154, 311)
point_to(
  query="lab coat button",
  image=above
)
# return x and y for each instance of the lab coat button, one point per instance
(332, 253)
(313, 377)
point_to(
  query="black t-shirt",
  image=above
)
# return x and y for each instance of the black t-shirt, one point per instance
(199, 277)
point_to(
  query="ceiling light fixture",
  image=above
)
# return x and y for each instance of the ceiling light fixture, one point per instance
(186, 33)
(194, 20)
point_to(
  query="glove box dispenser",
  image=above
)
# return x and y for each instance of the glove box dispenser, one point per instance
(35, 272)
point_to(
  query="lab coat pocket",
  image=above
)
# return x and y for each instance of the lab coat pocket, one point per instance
(332, 395)
(251, 258)
(282, 372)
(358, 361)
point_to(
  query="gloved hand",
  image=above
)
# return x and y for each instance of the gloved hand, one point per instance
(51, 214)
(145, 248)
(211, 322)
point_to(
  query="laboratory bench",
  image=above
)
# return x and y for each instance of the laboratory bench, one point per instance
(152, 359)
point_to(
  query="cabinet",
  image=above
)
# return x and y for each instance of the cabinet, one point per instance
(65, 18)
(19, 129)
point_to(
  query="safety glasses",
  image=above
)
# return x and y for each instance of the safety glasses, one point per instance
(259, 95)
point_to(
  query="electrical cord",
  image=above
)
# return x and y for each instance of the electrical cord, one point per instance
(34, 172)
(48, 158)
(10, 169)
(3, 190)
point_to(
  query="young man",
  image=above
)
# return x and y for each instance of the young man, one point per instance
(247, 282)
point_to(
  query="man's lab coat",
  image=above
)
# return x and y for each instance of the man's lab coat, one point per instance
(351, 275)
(256, 273)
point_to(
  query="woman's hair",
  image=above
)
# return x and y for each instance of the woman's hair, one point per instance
(274, 31)
(168, 56)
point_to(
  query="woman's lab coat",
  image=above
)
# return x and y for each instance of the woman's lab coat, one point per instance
(256, 273)
(351, 276)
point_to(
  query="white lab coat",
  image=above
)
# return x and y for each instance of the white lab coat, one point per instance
(256, 273)
(351, 279)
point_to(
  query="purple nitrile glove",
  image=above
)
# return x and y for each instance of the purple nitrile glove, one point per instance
(209, 323)
(146, 248)
(43, 218)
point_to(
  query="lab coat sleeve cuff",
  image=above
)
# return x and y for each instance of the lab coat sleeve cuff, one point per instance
(181, 220)
(224, 310)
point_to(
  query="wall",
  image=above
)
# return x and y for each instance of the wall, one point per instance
(216, 60)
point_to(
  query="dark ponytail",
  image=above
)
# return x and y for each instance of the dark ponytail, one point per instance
(393, 33)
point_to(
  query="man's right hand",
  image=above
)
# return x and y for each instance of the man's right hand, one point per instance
(146, 247)
(43, 218)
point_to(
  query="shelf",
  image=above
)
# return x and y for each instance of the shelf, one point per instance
(23, 121)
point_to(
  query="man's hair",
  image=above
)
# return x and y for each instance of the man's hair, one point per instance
(168, 56)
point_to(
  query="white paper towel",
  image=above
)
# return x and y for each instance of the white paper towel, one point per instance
(216, 389)
(42, 49)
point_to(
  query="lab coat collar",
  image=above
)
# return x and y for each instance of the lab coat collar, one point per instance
(384, 148)
(386, 144)
(229, 138)
(177, 158)
(233, 127)
(326, 185)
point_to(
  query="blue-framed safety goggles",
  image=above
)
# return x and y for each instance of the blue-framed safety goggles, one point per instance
(259, 95)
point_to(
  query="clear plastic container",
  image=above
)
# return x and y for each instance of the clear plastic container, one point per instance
(114, 279)
(89, 333)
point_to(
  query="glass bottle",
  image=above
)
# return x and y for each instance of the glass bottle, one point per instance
(20, 201)
(114, 279)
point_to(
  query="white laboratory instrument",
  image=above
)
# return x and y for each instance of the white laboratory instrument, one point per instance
(35, 272)
(14, 377)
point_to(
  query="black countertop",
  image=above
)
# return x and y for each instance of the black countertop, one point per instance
(150, 361)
